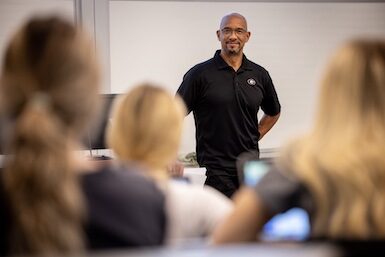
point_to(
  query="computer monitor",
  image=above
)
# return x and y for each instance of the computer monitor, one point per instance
(95, 137)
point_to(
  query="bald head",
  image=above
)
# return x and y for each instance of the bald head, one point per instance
(226, 18)
(233, 35)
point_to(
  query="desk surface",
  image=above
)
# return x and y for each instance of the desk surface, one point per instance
(242, 250)
(195, 175)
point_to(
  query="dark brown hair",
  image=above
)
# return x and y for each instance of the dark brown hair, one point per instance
(48, 90)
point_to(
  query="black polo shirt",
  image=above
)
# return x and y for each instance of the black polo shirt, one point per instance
(225, 104)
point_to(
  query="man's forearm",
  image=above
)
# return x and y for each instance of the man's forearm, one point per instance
(266, 123)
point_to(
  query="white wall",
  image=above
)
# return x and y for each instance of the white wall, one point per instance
(14, 12)
(161, 40)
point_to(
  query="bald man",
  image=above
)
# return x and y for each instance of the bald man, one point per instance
(225, 94)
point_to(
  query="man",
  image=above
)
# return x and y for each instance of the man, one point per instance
(225, 94)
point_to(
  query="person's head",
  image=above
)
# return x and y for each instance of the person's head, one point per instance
(342, 159)
(50, 62)
(48, 89)
(146, 127)
(233, 34)
(353, 87)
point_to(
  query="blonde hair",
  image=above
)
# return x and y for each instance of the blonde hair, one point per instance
(146, 126)
(49, 85)
(341, 160)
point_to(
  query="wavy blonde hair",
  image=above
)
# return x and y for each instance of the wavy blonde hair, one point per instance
(342, 159)
(146, 126)
(48, 91)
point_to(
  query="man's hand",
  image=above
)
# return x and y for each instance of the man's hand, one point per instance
(266, 123)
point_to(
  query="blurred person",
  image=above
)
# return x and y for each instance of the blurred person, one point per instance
(51, 200)
(146, 129)
(225, 94)
(336, 172)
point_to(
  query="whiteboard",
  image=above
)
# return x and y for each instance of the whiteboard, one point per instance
(160, 40)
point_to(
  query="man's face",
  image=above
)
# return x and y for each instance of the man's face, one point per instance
(233, 35)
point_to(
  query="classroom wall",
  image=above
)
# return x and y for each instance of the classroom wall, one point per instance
(160, 40)
(14, 12)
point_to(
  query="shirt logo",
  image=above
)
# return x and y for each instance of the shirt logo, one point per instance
(251, 82)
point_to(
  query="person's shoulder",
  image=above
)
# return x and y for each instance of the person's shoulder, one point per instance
(124, 208)
(215, 195)
(200, 68)
(197, 192)
(114, 179)
(256, 66)
(183, 190)
(180, 188)
(112, 171)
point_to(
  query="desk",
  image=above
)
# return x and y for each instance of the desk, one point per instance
(195, 175)
(243, 250)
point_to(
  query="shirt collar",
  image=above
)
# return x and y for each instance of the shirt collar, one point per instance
(221, 64)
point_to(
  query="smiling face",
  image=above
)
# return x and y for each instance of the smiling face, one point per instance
(233, 34)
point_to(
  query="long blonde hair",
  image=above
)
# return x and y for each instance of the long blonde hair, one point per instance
(48, 91)
(342, 159)
(146, 126)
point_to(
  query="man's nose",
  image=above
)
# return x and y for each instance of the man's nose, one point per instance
(233, 35)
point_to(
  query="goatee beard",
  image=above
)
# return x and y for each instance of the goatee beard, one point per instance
(232, 52)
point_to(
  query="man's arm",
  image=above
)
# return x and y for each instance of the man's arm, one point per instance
(266, 123)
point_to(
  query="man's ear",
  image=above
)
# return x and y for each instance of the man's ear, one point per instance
(218, 34)
(248, 35)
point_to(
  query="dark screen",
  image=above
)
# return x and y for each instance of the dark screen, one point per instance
(95, 137)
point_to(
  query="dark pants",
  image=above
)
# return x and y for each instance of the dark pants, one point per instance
(227, 185)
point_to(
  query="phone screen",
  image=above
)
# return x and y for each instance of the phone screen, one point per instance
(292, 225)
(253, 171)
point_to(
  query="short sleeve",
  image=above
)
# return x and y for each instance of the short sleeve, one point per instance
(270, 103)
(189, 90)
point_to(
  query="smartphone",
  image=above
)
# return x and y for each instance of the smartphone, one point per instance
(293, 225)
(253, 171)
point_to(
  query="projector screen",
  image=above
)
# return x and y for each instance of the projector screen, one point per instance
(160, 40)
